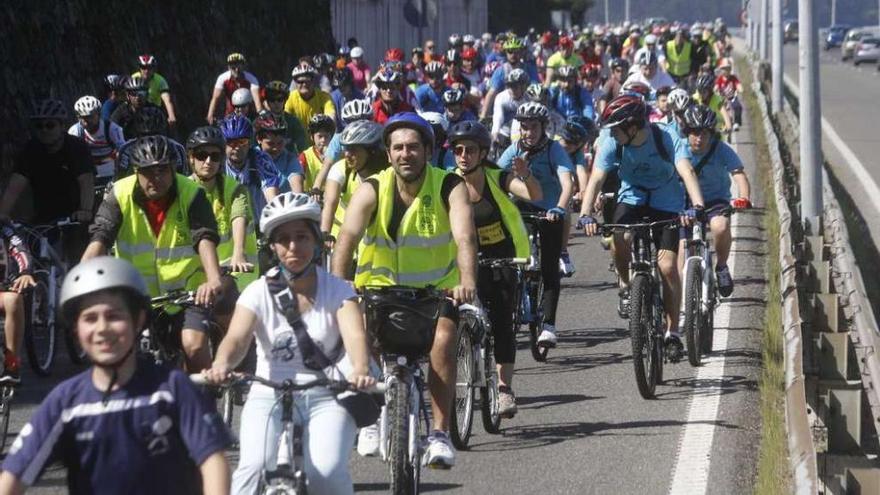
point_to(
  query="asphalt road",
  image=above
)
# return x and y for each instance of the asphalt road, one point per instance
(582, 426)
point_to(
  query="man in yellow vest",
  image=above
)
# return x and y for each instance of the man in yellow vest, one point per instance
(163, 224)
(419, 231)
(679, 56)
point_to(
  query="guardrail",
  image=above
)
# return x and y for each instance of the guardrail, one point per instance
(827, 316)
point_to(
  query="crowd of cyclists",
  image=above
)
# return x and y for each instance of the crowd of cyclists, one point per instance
(296, 196)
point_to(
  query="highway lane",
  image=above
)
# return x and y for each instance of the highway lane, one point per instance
(582, 426)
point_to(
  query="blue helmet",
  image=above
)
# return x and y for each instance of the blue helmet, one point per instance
(409, 120)
(236, 127)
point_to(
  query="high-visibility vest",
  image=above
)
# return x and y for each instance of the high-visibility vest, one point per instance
(167, 261)
(313, 166)
(222, 207)
(423, 253)
(510, 215)
(352, 182)
(679, 62)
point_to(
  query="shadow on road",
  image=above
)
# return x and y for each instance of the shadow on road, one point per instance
(552, 400)
(423, 487)
(691, 387)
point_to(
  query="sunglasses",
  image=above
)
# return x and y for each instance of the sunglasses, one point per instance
(385, 85)
(202, 155)
(47, 125)
(303, 82)
(465, 150)
(238, 143)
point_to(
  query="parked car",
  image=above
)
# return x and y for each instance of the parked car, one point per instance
(853, 36)
(867, 50)
(790, 31)
(835, 36)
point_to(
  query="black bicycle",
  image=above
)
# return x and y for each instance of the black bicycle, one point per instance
(646, 315)
(532, 306)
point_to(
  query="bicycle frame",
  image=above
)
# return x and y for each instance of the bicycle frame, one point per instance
(400, 368)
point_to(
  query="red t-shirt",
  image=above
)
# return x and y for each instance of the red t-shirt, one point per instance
(725, 85)
(381, 115)
(156, 213)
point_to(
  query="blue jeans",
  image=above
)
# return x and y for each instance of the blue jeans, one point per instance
(329, 433)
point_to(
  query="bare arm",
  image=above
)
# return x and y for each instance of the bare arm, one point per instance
(357, 217)
(567, 190)
(212, 106)
(743, 187)
(488, 102)
(239, 262)
(258, 102)
(354, 338)
(270, 193)
(591, 190)
(548, 76)
(93, 250)
(582, 178)
(461, 219)
(530, 189)
(296, 183)
(11, 485)
(16, 186)
(236, 342)
(169, 107)
(331, 202)
(318, 182)
(215, 474)
(691, 183)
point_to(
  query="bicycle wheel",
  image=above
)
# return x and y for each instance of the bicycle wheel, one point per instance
(641, 334)
(462, 419)
(227, 405)
(398, 458)
(39, 333)
(657, 341)
(708, 331)
(489, 393)
(536, 296)
(693, 292)
(6, 394)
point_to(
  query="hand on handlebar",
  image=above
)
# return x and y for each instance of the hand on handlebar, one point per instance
(691, 215)
(464, 294)
(741, 204)
(208, 292)
(361, 379)
(555, 214)
(239, 264)
(23, 282)
(217, 374)
(589, 224)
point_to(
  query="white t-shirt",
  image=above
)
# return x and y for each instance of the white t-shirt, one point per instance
(661, 78)
(278, 355)
(103, 148)
(222, 78)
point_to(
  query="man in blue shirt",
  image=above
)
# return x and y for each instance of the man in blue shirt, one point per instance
(430, 94)
(345, 92)
(552, 167)
(651, 162)
(515, 50)
(715, 162)
(569, 98)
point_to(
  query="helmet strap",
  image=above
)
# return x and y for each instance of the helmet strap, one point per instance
(114, 373)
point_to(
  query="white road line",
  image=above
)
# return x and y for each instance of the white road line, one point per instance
(691, 474)
(855, 165)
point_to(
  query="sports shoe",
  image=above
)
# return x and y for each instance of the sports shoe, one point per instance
(439, 454)
(506, 403)
(623, 304)
(674, 347)
(566, 267)
(725, 280)
(548, 336)
(605, 242)
(11, 373)
(735, 127)
(368, 441)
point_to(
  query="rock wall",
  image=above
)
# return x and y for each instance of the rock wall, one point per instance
(64, 48)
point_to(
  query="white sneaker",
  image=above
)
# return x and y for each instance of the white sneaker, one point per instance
(566, 267)
(368, 441)
(736, 127)
(440, 454)
(548, 336)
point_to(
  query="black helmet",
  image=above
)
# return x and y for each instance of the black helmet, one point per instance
(320, 122)
(342, 77)
(135, 83)
(114, 82)
(472, 130)
(573, 132)
(48, 108)
(151, 151)
(148, 121)
(206, 135)
(698, 117)
(705, 82)
(620, 62)
(589, 125)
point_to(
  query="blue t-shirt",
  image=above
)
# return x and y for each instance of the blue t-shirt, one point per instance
(334, 148)
(430, 100)
(546, 165)
(715, 174)
(149, 437)
(259, 173)
(497, 82)
(287, 164)
(107, 108)
(645, 178)
(567, 104)
(465, 116)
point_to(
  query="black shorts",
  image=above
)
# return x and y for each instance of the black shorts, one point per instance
(719, 212)
(665, 236)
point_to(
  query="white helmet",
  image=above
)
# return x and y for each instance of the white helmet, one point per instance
(288, 207)
(241, 97)
(357, 52)
(436, 119)
(679, 99)
(86, 106)
(355, 110)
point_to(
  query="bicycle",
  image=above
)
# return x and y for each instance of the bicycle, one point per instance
(532, 304)
(40, 306)
(287, 479)
(646, 314)
(403, 321)
(7, 391)
(700, 290)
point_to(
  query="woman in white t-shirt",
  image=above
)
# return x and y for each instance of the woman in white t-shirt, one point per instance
(330, 311)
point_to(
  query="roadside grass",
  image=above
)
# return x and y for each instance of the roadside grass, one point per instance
(773, 473)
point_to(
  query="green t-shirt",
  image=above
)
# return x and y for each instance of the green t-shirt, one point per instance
(155, 87)
(557, 60)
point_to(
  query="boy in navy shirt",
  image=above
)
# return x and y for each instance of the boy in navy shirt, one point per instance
(125, 425)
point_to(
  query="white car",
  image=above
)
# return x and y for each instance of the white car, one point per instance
(867, 50)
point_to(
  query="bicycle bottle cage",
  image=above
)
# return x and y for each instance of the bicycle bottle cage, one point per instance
(403, 321)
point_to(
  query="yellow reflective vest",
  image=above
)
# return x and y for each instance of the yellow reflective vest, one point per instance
(312, 167)
(510, 215)
(222, 207)
(679, 62)
(423, 253)
(167, 261)
(346, 191)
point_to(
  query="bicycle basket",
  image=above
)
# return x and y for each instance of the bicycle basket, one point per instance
(403, 322)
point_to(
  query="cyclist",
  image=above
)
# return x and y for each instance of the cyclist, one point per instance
(706, 95)
(206, 150)
(553, 170)
(345, 92)
(353, 111)
(322, 67)
(243, 103)
(565, 57)
(660, 111)
(470, 67)
(227, 82)
(514, 48)
(271, 136)
(568, 97)
(650, 73)
(392, 210)
(275, 95)
(364, 156)
(647, 158)
(249, 165)
(715, 163)
(679, 56)
(17, 268)
(500, 234)
(114, 84)
(540, 94)
(728, 86)
(56, 166)
(158, 91)
(360, 70)
(150, 121)
(102, 136)
(136, 102)
(322, 130)
(679, 101)
(576, 137)
(456, 111)
(163, 223)
(619, 70)
(125, 425)
(334, 321)
(307, 101)
(650, 46)
(506, 105)
(430, 94)
(389, 102)
(453, 76)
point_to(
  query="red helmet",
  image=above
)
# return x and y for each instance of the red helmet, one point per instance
(469, 54)
(147, 61)
(565, 42)
(637, 87)
(590, 71)
(394, 55)
(624, 110)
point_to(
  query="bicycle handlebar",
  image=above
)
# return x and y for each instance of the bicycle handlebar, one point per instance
(503, 262)
(290, 385)
(179, 297)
